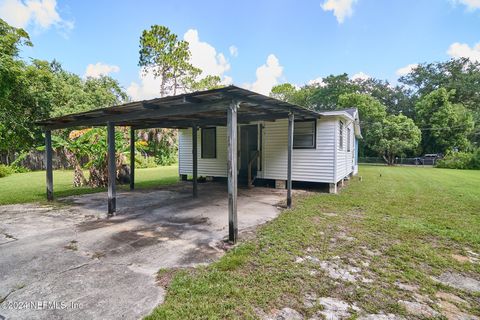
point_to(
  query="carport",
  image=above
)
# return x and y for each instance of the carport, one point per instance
(228, 106)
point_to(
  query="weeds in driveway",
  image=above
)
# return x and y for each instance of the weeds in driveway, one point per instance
(72, 245)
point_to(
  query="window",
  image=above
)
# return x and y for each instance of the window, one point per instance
(348, 140)
(209, 143)
(304, 134)
(340, 133)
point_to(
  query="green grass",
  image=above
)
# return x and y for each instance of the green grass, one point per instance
(30, 186)
(415, 218)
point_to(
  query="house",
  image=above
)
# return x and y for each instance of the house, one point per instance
(325, 150)
(243, 136)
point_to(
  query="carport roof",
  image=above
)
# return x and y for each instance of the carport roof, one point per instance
(202, 108)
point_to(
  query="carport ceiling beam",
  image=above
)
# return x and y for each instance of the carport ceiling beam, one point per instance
(211, 121)
(265, 104)
(179, 110)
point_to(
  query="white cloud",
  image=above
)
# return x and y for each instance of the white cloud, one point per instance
(233, 51)
(341, 8)
(148, 88)
(470, 4)
(100, 69)
(39, 13)
(463, 50)
(15, 13)
(360, 76)
(227, 80)
(403, 71)
(268, 75)
(205, 56)
(318, 81)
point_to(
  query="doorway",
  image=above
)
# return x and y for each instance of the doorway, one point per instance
(248, 153)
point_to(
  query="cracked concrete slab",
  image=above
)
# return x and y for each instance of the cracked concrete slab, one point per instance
(69, 262)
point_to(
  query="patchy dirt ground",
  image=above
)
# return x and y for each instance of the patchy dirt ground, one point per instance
(352, 272)
(349, 273)
(402, 243)
(68, 262)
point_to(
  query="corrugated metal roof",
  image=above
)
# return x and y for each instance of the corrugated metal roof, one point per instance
(202, 108)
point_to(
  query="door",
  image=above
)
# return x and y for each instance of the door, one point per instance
(248, 147)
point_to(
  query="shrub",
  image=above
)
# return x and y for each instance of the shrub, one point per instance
(166, 158)
(19, 169)
(142, 162)
(475, 164)
(5, 170)
(461, 160)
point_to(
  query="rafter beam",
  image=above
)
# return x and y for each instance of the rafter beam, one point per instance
(144, 115)
(190, 99)
(211, 121)
(264, 103)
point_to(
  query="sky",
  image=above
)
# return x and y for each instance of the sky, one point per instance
(252, 44)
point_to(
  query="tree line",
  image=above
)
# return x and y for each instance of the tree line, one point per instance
(34, 89)
(435, 108)
(37, 89)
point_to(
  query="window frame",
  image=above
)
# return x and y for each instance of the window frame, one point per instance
(214, 142)
(349, 139)
(341, 130)
(314, 134)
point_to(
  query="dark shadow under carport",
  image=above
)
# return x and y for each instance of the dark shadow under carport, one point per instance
(226, 106)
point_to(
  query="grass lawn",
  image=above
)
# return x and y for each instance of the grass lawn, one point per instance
(399, 225)
(30, 186)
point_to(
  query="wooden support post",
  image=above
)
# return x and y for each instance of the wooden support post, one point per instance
(194, 159)
(232, 171)
(132, 158)
(48, 164)
(112, 170)
(289, 159)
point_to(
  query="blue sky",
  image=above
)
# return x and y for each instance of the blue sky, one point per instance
(276, 41)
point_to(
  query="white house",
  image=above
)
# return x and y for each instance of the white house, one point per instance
(325, 150)
(268, 139)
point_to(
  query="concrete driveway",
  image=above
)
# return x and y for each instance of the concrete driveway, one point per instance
(68, 262)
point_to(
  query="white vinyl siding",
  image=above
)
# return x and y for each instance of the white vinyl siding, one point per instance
(216, 167)
(312, 165)
(345, 159)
